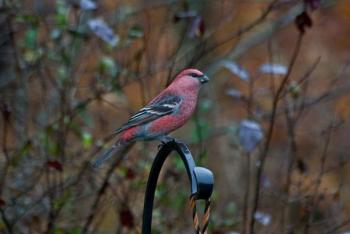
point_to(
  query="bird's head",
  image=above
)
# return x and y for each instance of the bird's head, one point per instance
(194, 75)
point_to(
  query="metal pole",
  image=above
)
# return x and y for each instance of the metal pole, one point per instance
(201, 179)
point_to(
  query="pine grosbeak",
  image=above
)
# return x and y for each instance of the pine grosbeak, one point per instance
(164, 114)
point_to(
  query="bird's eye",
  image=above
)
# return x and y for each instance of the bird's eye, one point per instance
(194, 75)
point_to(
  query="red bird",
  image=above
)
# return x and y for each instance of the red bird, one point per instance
(165, 113)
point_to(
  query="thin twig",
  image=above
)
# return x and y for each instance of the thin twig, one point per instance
(7, 223)
(93, 210)
(334, 229)
(316, 199)
(269, 134)
(245, 223)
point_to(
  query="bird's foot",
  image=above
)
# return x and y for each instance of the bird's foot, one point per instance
(166, 139)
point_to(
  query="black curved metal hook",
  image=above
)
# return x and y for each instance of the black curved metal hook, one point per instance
(201, 179)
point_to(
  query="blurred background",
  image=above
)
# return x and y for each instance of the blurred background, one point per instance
(272, 123)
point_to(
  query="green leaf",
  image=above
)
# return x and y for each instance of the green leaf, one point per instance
(87, 140)
(160, 191)
(81, 106)
(28, 19)
(32, 55)
(137, 184)
(2, 226)
(108, 66)
(179, 165)
(61, 16)
(77, 33)
(30, 38)
(75, 127)
(58, 230)
(180, 200)
(123, 12)
(62, 74)
(135, 31)
(63, 199)
(294, 90)
(25, 148)
(75, 230)
(47, 137)
(66, 57)
(52, 147)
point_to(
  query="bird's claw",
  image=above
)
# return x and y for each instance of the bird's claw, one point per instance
(162, 143)
(165, 140)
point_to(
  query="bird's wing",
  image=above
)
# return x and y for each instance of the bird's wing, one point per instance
(159, 107)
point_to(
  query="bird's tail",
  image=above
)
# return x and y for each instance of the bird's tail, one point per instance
(117, 148)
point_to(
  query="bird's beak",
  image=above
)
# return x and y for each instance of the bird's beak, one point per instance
(203, 79)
